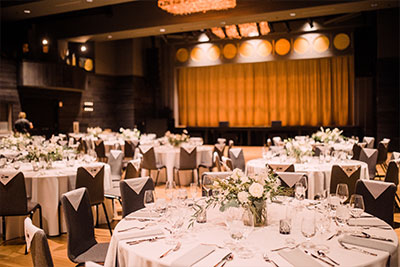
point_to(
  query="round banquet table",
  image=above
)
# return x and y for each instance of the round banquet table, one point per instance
(46, 187)
(319, 174)
(262, 239)
(169, 157)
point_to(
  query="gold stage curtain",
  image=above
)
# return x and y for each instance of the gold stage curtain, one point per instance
(297, 92)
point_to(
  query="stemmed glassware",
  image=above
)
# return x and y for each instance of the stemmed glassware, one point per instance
(149, 200)
(300, 189)
(349, 154)
(207, 183)
(356, 205)
(193, 190)
(342, 192)
(176, 220)
(170, 188)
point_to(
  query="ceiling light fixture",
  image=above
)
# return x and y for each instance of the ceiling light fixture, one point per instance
(203, 38)
(109, 37)
(292, 14)
(248, 29)
(83, 48)
(232, 32)
(162, 30)
(184, 7)
(27, 11)
(264, 27)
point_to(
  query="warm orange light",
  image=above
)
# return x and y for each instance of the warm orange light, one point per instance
(184, 7)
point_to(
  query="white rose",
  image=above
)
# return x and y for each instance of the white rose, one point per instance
(256, 190)
(215, 184)
(243, 196)
(244, 179)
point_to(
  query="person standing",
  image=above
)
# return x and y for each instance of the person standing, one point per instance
(22, 125)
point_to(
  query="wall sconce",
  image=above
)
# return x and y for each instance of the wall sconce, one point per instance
(45, 45)
(88, 106)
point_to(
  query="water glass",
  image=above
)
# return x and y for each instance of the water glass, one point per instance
(308, 229)
(16, 164)
(342, 215)
(193, 190)
(342, 192)
(170, 188)
(356, 205)
(149, 200)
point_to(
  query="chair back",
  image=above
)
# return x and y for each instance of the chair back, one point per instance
(79, 220)
(289, 179)
(217, 161)
(369, 156)
(149, 159)
(81, 146)
(219, 148)
(392, 173)
(237, 157)
(282, 167)
(13, 191)
(41, 255)
(100, 149)
(356, 152)
(228, 164)
(132, 169)
(115, 161)
(129, 149)
(339, 176)
(230, 145)
(382, 152)
(187, 160)
(369, 141)
(395, 155)
(132, 193)
(94, 182)
(380, 202)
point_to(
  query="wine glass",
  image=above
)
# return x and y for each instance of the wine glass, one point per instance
(308, 229)
(240, 223)
(193, 190)
(149, 200)
(300, 188)
(356, 205)
(349, 154)
(323, 223)
(170, 188)
(175, 220)
(207, 183)
(342, 192)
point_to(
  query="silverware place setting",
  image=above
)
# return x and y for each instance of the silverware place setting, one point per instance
(152, 239)
(222, 262)
(369, 236)
(356, 249)
(176, 248)
(319, 258)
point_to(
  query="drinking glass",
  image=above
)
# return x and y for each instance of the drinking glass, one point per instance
(149, 200)
(193, 190)
(356, 205)
(170, 188)
(207, 183)
(323, 223)
(349, 154)
(300, 188)
(240, 223)
(342, 215)
(175, 220)
(308, 229)
(16, 164)
(342, 192)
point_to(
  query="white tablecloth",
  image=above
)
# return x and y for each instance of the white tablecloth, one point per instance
(319, 174)
(260, 240)
(46, 187)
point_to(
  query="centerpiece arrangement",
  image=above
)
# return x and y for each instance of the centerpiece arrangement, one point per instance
(128, 134)
(298, 148)
(328, 135)
(177, 139)
(46, 150)
(94, 131)
(15, 141)
(250, 192)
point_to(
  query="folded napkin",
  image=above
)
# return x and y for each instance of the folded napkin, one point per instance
(193, 256)
(376, 188)
(137, 184)
(366, 222)
(139, 234)
(75, 197)
(143, 214)
(7, 176)
(296, 257)
(30, 231)
(369, 243)
(290, 178)
(349, 169)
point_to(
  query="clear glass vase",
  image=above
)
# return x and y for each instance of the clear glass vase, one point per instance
(259, 210)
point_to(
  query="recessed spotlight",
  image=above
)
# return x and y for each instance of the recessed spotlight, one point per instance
(162, 30)
(292, 14)
(109, 37)
(203, 38)
(45, 41)
(83, 48)
(89, 1)
(27, 11)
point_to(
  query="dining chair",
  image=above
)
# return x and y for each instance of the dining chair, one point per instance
(149, 161)
(36, 240)
(133, 169)
(227, 164)
(281, 167)
(92, 178)
(217, 162)
(230, 145)
(132, 193)
(115, 161)
(220, 149)
(395, 155)
(81, 146)
(129, 149)
(383, 153)
(289, 179)
(370, 141)
(378, 198)
(13, 199)
(345, 174)
(82, 244)
(392, 176)
(369, 156)
(356, 152)
(212, 176)
(237, 156)
(100, 150)
(187, 161)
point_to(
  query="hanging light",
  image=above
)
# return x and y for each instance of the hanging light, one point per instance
(184, 7)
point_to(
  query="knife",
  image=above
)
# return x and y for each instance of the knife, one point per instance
(321, 259)
(224, 258)
(374, 237)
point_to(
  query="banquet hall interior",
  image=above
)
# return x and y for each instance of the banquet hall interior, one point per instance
(187, 92)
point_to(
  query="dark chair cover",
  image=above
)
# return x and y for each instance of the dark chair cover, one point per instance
(131, 171)
(371, 161)
(100, 149)
(392, 173)
(237, 162)
(187, 161)
(338, 176)
(130, 200)
(149, 162)
(129, 149)
(41, 255)
(94, 185)
(356, 152)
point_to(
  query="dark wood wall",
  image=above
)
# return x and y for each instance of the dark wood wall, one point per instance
(8, 85)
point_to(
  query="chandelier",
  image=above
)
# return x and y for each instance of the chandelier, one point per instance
(184, 7)
(242, 30)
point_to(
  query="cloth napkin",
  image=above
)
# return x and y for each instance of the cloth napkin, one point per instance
(115, 153)
(349, 169)
(75, 197)
(30, 231)
(139, 233)
(369, 243)
(369, 152)
(92, 170)
(136, 163)
(188, 148)
(143, 214)
(376, 188)
(298, 258)
(7, 176)
(279, 167)
(136, 184)
(193, 256)
(290, 178)
(366, 222)
(395, 155)
(145, 148)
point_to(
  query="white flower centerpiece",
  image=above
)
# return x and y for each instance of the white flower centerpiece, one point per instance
(47, 150)
(298, 148)
(246, 191)
(177, 139)
(94, 131)
(328, 135)
(128, 134)
(15, 141)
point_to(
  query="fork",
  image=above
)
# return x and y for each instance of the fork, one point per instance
(131, 228)
(357, 249)
(267, 259)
